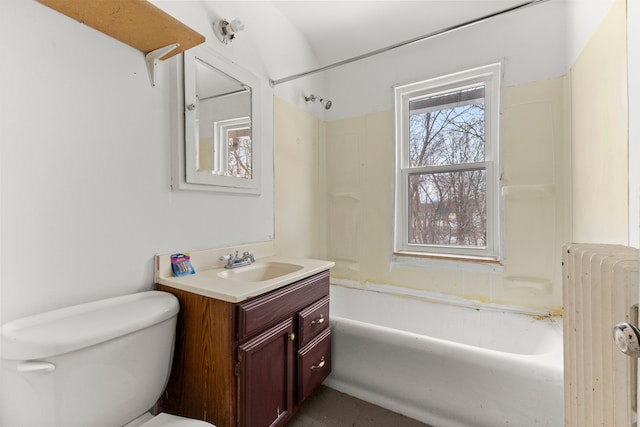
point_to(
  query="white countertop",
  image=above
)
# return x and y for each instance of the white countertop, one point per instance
(212, 283)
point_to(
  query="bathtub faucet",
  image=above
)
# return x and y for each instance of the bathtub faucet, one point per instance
(235, 261)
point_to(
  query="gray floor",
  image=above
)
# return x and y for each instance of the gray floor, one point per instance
(330, 408)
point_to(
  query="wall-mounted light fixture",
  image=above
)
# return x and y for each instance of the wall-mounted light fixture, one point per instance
(313, 98)
(226, 31)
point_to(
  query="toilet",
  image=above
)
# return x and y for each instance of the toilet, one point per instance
(99, 364)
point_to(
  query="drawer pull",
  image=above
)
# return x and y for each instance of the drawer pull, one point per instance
(319, 365)
(292, 337)
(319, 321)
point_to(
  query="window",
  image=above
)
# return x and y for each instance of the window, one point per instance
(232, 147)
(447, 169)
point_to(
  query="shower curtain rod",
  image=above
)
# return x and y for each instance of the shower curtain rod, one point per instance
(407, 42)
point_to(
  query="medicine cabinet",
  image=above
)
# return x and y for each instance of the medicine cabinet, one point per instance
(219, 145)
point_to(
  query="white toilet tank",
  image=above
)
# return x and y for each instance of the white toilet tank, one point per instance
(99, 364)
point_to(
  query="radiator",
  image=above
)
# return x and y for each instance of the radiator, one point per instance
(600, 289)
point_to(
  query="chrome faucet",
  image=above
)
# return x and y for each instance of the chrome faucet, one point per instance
(235, 261)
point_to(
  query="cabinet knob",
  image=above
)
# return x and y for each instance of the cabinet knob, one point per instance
(292, 337)
(319, 365)
(318, 321)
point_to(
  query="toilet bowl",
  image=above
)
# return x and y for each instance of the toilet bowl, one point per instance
(99, 364)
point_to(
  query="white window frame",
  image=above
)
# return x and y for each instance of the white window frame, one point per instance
(491, 76)
(221, 129)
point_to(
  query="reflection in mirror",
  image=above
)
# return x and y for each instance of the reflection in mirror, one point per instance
(232, 148)
(223, 114)
(221, 125)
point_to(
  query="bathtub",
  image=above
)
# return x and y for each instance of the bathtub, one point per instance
(447, 365)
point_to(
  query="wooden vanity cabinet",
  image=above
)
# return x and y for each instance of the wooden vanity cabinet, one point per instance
(249, 364)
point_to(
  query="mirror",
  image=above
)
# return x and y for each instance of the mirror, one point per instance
(221, 125)
(222, 122)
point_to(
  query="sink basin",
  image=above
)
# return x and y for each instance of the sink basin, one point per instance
(259, 272)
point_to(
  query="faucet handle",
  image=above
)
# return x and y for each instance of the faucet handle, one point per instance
(249, 255)
(229, 258)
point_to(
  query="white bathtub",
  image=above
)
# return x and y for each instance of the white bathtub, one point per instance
(447, 365)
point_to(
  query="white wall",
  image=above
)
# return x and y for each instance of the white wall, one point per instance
(86, 200)
(536, 43)
(529, 54)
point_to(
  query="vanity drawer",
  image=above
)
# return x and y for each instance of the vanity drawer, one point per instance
(261, 312)
(314, 364)
(313, 320)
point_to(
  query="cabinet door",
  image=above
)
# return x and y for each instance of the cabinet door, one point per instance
(266, 377)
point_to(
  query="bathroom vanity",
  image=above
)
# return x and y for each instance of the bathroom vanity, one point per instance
(249, 361)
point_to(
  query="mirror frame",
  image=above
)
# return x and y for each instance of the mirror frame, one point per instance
(184, 173)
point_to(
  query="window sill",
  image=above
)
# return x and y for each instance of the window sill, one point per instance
(451, 257)
(455, 262)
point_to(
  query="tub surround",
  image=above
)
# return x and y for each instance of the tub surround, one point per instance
(441, 298)
(536, 216)
(213, 280)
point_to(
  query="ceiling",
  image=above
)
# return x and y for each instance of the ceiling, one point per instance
(339, 30)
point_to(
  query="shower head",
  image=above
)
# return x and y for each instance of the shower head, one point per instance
(313, 98)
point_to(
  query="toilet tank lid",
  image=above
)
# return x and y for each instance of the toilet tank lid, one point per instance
(71, 328)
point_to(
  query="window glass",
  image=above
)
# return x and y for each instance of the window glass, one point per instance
(448, 208)
(447, 129)
(239, 152)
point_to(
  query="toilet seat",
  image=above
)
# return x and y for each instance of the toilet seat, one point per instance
(168, 420)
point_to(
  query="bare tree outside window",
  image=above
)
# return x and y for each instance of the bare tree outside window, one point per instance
(239, 153)
(448, 189)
